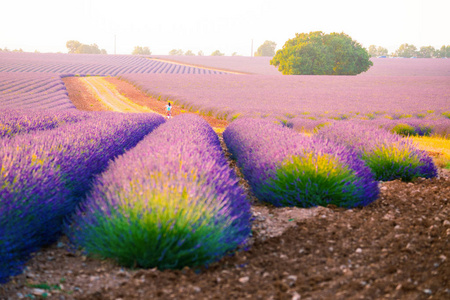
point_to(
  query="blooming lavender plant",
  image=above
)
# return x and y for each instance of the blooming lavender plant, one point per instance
(388, 155)
(172, 201)
(20, 121)
(45, 174)
(286, 168)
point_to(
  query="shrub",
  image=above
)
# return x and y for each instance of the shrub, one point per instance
(20, 121)
(183, 207)
(285, 168)
(403, 129)
(388, 155)
(44, 175)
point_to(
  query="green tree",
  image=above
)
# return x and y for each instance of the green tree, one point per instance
(406, 50)
(426, 52)
(200, 53)
(189, 53)
(77, 47)
(72, 45)
(176, 52)
(217, 53)
(266, 49)
(316, 53)
(373, 52)
(443, 52)
(138, 50)
(382, 51)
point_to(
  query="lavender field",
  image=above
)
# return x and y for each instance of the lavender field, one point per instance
(51, 151)
(276, 96)
(87, 64)
(261, 65)
(33, 91)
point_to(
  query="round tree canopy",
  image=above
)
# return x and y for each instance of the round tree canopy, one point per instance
(316, 53)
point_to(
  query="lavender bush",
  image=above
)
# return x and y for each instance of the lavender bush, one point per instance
(417, 126)
(44, 175)
(290, 169)
(20, 121)
(388, 155)
(172, 201)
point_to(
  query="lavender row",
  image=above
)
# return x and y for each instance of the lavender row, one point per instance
(87, 64)
(172, 201)
(33, 91)
(404, 126)
(44, 175)
(290, 169)
(388, 155)
(261, 65)
(21, 121)
(299, 95)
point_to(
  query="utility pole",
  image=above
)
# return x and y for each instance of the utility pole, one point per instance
(114, 44)
(251, 54)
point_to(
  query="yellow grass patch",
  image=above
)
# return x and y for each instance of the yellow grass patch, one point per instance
(437, 147)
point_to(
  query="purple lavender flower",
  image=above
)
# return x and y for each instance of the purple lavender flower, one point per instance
(388, 155)
(172, 201)
(44, 175)
(290, 169)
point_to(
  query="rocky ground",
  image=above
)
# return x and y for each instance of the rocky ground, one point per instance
(395, 248)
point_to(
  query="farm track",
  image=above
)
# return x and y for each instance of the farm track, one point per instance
(106, 93)
(395, 248)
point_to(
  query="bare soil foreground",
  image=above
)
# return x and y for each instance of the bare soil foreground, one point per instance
(395, 248)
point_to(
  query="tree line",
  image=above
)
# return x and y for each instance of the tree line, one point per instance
(77, 47)
(407, 50)
(266, 49)
(138, 50)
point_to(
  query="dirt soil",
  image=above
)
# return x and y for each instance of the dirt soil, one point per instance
(395, 248)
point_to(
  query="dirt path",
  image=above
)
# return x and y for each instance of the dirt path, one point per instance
(106, 93)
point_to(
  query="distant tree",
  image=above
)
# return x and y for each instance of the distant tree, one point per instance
(316, 53)
(200, 53)
(73, 45)
(266, 49)
(138, 50)
(443, 52)
(90, 49)
(189, 53)
(382, 51)
(426, 52)
(77, 47)
(18, 50)
(217, 53)
(406, 50)
(373, 52)
(234, 54)
(176, 52)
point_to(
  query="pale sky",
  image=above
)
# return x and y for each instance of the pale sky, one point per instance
(207, 25)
